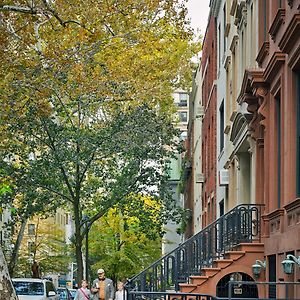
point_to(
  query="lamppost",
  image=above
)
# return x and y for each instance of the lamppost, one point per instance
(72, 273)
(86, 221)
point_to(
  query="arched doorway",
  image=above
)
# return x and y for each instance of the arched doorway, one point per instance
(238, 291)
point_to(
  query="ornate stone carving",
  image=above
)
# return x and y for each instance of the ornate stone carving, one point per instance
(261, 93)
(277, 22)
(254, 92)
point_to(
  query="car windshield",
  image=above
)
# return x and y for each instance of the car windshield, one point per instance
(29, 288)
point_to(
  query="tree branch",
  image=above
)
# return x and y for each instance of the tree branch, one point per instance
(105, 210)
(20, 9)
(53, 147)
(55, 192)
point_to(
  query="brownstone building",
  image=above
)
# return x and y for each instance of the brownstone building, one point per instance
(209, 98)
(273, 95)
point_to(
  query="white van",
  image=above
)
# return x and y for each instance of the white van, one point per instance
(34, 289)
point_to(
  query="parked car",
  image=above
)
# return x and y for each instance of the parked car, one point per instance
(73, 293)
(34, 289)
(64, 293)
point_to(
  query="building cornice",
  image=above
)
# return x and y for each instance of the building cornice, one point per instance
(263, 52)
(291, 35)
(274, 65)
(277, 22)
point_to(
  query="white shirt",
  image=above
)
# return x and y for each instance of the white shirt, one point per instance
(121, 295)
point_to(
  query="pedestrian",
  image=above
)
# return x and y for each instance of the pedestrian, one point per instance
(83, 293)
(103, 288)
(35, 270)
(121, 293)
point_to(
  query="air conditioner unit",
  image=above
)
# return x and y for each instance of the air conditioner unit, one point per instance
(200, 111)
(199, 178)
(223, 177)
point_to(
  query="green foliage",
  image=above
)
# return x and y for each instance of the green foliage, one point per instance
(86, 103)
(48, 249)
(121, 244)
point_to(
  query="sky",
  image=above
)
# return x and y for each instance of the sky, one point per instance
(198, 12)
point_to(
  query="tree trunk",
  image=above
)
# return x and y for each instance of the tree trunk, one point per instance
(7, 291)
(15, 253)
(78, 244)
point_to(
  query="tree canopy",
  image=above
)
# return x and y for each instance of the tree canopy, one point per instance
(86, 102)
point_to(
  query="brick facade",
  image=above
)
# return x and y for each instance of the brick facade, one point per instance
(209, 131)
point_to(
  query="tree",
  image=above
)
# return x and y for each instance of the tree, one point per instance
(22, 202)
(44, 244)
(126, 240)
(97, 162)
(7, 291)
(90, 84)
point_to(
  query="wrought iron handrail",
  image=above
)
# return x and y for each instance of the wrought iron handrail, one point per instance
(168, 296)
(240, 225)
(283, 290)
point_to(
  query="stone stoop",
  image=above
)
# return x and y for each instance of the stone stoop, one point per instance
(187, 287)
(222, 263)
(234, 255)
(210, 272)
(198, 279)
(240, 260)
(251, 247)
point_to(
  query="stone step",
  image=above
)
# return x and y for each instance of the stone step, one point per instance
(251, 247)
(187, 287)
(198, 279)
(234, 255)
(222, 263)
(210, 272)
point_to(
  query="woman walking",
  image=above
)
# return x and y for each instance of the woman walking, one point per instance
(83, 293)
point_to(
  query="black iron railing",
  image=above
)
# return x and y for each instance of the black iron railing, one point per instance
(235, 290)
(168, 296)
(240, 225)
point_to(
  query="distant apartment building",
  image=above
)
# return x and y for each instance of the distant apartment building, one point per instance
(173, 235)
(45, 241)
(192, 167)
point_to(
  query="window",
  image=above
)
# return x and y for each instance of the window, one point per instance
(31, 247)
(183, 135)
(50, 288)
(278, 123)
(31, 229)
(219, 45)
(221, 111)
(272, 276)
(183, 98)
(265, 19)
(182, 116)
(298, 134)
(224, 28)
(29, 288)
(221, 207)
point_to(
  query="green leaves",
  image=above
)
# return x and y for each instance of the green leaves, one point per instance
(86, 106)
(126, 240)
